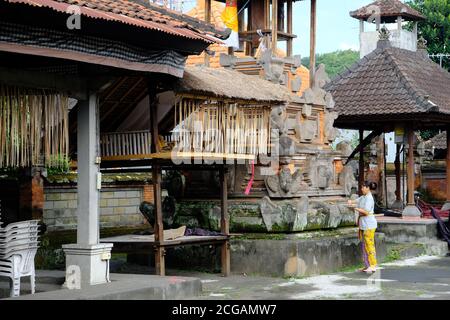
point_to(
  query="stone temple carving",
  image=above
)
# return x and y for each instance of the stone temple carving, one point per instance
(285, 184)
(273, 67)
(331, 133)
(293, 216)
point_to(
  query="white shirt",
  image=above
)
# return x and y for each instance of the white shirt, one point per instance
(368, 204)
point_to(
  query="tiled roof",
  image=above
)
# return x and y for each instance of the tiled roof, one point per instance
(387, 8)
(137, 13)
(391, 81)
(438, 142)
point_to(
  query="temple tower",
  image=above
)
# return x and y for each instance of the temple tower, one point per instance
(387, 12)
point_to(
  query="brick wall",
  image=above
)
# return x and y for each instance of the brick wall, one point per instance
(119, 206)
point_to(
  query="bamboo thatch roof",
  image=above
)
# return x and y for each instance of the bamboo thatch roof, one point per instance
(230, 84)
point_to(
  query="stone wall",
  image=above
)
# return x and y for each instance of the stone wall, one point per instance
(119, 206)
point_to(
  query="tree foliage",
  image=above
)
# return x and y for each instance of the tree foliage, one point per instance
(335, 62)
(436, 28)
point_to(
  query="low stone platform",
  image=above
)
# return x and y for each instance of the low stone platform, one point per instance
(301, 254)
(121, 287)
(407, 229)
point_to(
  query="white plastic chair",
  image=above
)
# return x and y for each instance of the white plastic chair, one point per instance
(18, 247)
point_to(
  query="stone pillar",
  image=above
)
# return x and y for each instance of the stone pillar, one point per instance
(87, 258)
(411, 210)
(447, 203)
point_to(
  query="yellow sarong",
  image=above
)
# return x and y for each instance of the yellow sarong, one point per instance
(368, 247)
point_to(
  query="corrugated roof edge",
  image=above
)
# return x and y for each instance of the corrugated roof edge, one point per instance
(62, 7)
(208, 27)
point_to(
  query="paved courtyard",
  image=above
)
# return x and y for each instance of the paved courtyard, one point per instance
(425, 277)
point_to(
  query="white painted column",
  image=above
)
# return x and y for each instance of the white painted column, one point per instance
(88, 169)
(87, 261)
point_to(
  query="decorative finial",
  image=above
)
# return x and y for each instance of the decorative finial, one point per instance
(384, 33)
(422, 43)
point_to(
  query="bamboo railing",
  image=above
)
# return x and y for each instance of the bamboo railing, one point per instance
(216, 126)
(125, 143)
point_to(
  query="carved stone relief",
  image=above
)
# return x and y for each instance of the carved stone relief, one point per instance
(285, 184)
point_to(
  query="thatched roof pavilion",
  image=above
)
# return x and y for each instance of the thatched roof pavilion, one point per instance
(230, 84)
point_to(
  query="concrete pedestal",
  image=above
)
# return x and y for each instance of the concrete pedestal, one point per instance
(90, 261)
(411, 211)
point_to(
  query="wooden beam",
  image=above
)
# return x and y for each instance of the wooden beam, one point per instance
(156, 177)
(120, 117)
(124, 96)
(267, 14)
(448, 165)
(207, 20)
(312, 47)
(289, 28)
(274, 26)
(158, 227)
(361, 161)
(114, 88)
(410, 168)
(224, 222)
(398, 193)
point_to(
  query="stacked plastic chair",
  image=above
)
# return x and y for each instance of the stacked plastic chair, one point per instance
(18, 246)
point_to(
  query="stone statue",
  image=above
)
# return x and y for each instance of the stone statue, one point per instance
(285, 184)
(305, 131)
(316, 95)
(347, 180)
(273, 67)
(323, 176)
(278, 117)
(345, 148)
(168, 209)
(331, 133)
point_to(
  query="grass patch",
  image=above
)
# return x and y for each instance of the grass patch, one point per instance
(393, 255)
(261, 236)
(351, 268)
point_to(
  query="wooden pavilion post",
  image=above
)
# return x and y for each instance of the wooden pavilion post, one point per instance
(398, 203)
(266, 14)
(274, 26)
(361, 161)
(224, 221)
(411, 210)
(156, 177)
(289, 50)
(312, 47)
(447, 203)
(207, 20)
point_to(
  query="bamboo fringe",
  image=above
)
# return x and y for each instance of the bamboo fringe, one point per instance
(221, 127)
(33, 123)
